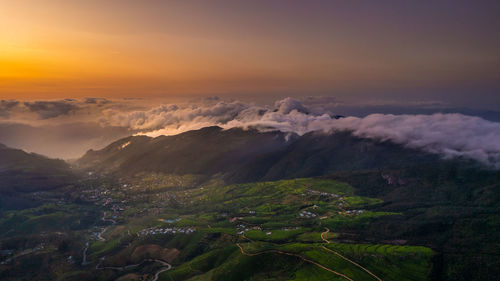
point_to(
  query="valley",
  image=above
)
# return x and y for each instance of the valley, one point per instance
(210, 226)
(423, 219)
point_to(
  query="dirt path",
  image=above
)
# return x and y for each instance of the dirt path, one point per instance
(99, 237)
(323, 237)
(84, 254)
(23, 253)
(293, 255)
(166, 267)
(113, 222)
(157, 274)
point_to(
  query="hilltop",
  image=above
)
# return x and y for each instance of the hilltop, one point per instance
(249, 155)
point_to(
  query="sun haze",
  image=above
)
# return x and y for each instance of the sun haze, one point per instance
(60, 49)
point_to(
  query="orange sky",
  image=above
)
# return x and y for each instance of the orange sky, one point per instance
(59, 49)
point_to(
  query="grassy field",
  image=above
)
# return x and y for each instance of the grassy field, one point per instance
(254, 231)
(265, 218)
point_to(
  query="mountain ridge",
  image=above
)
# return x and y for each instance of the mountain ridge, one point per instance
(249, 155)
(25, 172)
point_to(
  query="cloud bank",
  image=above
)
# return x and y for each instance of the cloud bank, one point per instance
(58, 128)
(100, 121)
(449, 135)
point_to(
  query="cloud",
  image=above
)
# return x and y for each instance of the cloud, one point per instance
(59, 128)
(51, 109)
(6, 106)
(286, 105)
(449, 135)
(65, 141)
(50, 112)
(176, 118)
(98, 101)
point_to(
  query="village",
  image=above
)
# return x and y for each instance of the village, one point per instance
(168, 230)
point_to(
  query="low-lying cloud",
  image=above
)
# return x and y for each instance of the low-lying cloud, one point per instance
(64, 128)
(51, 109)
(449, 135)
(446, 134)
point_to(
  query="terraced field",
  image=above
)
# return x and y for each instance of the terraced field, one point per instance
(300, 229)
(257, 231)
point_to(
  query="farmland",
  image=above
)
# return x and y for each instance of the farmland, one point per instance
(297, 229)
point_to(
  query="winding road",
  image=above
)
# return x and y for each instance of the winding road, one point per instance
(84, 260)
(99, 237)
(166, 266)
(293, 255)
(323, 234)
(113, 222)
(157, 274)
(323, 237)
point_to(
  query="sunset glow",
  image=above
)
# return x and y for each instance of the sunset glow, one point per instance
(55, 49)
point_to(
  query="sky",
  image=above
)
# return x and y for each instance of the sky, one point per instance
(419, 51)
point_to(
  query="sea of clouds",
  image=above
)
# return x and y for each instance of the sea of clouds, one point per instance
(449, 135)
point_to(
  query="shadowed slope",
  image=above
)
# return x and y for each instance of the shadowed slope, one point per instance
(249, 155)
(25, 172)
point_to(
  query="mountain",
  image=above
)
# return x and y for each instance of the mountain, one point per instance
(249, 155)
(317, 153)
(207, 151)
(450, 206)
(27, 172)
(402, 213)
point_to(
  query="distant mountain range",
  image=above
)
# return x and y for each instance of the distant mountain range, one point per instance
(249, 155)
(236, 155)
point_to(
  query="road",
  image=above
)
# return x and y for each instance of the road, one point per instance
(99, 237)
(323, 237)
(84, 260)
(293, 255)
(157, 274)
(113, 222)
(166, 267)
(23, 253)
